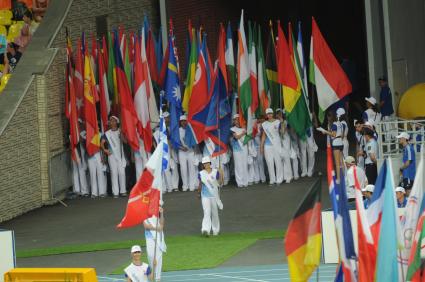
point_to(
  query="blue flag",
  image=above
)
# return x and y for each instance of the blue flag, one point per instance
(158, 50)
(173, 96)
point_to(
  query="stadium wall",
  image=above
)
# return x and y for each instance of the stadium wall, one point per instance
(34, 157)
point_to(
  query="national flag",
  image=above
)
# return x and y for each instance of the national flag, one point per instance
(189, 37)
(144, 196)
(128, 113)
(303, 239)
(143, 90)
(191, 71)
(271, 72)
(173, 93)
(105, 103)
(70, 103)
(295, 106)
(92, 129)
(231, 69)
(302, 67)
(263, 86)
(198, 104)
(126, 61)
(366, 246)
(151, 53)
(414, 208)
(415, 271)
(159, 52)
(390, 231)
(332, 84)
(252, 55)
(221, 57)
(112, 75)
(79, 80)
(244, 82)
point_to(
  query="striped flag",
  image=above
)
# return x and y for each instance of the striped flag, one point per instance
(105, 103)
(191, 72)
(263, 86)
(271, 71)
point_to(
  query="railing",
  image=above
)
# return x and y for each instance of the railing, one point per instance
(388, 130)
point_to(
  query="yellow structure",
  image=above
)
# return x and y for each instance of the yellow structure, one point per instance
(51, 274)
(412, 102)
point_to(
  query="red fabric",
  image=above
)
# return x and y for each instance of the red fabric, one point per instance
(103, 92)
(5, 5)
(79, 80)
(151, 57)
(285, 68)
(221, 53)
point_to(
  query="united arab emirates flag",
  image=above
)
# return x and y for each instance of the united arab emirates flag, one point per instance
(303, 240)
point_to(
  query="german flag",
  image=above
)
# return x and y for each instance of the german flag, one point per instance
(303, 240)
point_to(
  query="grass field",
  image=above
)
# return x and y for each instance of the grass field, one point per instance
(183, 252)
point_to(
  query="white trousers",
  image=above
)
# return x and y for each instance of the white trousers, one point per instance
(97, 175)
(241, 167)
(188, 170)
(345, 148)
(295, 167)
(274, 164)
(80, 178)
(287, 168)
(171, 175)
(117, 176)
(259, 160)
(150, 251)
(211, 220)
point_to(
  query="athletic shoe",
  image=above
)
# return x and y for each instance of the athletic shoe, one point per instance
(123, 194)
(205, 234)
(304, 175)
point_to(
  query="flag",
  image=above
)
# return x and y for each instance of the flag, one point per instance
(417, 256)
(79, 80)
(173, 94)
(415, 206)
(105, 103)
(263, 87)
(303, 239)
(159, 53)
(143, 90)
(252, 55)
(390, 233)
(244, 82)
(112, 76)
(366, 246)
(271, 72)
(301, 63)
(295, 106)
(70, 103)
(144, 196)
(191, 70)
(92, 129)
(126, 58)
(331, 82)
(151, 54)
(221, 58)
(128, 113)
(231, 70)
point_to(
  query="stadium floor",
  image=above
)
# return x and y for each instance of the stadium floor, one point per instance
(263, 273)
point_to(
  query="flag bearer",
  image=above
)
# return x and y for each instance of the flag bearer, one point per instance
(186, 159)
(79, 166)
(240, 153)
(308, 148)
(271, 148)
(285, 151)
(209, 181)
(97, 170)
(112, 145)
(259, 159)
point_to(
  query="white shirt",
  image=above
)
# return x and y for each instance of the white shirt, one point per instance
(361, 176)
(138, 273)
(371, 148)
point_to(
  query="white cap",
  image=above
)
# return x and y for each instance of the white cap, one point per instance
(371, 100)
(115, 117)
(369, 188)
(183, 117)
(404, 135)
(136, 248)
(278, 110)
(340, 112)
(269, 111)
(165, 114)
(235, 116)
(400, 189)
(206, 159)
(350, 160)
(368, 123)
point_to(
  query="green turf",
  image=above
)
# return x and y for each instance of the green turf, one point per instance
(69, 249)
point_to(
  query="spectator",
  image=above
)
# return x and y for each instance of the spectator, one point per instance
(360, 143)
(11, 58)
(368, 193)
(350, 162)
(24, 38)
(371, 156)
(371, 114)
(400, 193)
(39, 8)
(386, 100)
(408, 167)
(137, 270)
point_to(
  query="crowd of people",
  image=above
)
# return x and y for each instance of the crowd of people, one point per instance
(18, 21)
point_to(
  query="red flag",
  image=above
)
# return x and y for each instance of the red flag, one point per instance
(105, 104)
(286, 73)
(79, 80)
(221, 51)
(143, 90)
(151, 57)
(128, 114)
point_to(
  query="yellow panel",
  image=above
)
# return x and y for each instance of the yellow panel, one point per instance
(3, 30)
(412, 102)
(51, 274)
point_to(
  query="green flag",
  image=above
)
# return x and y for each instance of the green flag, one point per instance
(271, 72)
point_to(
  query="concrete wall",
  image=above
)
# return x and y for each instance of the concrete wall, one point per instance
(33, 128)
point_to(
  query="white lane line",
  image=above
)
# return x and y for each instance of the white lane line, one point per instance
(238, 278)
(110, 278)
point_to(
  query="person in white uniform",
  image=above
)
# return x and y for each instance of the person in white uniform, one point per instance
(79, 168)
(154, 232)
(186, 159)
(137, 271)
(113, 147)
(97, 171)
(271, 146)
(210, 180)
(259, 174)
(295, 152)
(240, 153)
(308, 148)
(286, 150)
(340, 114)
(371, 114)
(350, 163)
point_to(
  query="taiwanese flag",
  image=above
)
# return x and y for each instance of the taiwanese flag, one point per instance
(128, 113)
(303, 240)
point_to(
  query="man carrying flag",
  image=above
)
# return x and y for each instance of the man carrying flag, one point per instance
(303, 239)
